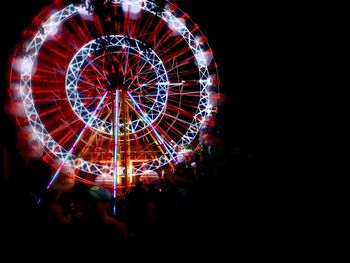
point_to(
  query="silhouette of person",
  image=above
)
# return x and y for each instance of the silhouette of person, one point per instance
(100, 210)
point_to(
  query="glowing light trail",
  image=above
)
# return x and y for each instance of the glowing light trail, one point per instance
(76, 142)
(167, 147)
(115, 148)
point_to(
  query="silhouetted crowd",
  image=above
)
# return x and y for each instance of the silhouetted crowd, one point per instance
(168, 217)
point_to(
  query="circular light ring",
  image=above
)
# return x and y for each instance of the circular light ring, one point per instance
(132, 46)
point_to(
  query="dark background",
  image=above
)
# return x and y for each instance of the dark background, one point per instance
(282, 186)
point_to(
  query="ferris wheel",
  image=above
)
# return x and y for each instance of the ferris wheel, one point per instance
(117, 92)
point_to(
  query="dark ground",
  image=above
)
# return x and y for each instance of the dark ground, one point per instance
(285, 75)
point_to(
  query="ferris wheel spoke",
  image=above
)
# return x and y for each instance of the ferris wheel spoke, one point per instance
(65, 137)
(147, 141)
(151, 84)
(158, 42)
(180, 110)
(98, 25)
(140, 88)
(87, 82)
(152, 142)
(181, 101)
(145, 117)
(100, 73)
(45, 70)
(170, 126)
(44, 101)
(154, 79)
(125, 65)
(151, 99)
(136, 86)
(132, 82)
(166, 49)
(143, 65)
(152, 36)
(89, 93)
(175, 70)
(115, 112)
(149, 109)
(72, 125)
(91, 84)
(133, 65)
(144, 90)
(185, 93)
(79, 29)
(59, 131)
(147, 74)
(177, 119)
(60, 69)
(75, 33)
(75, 143)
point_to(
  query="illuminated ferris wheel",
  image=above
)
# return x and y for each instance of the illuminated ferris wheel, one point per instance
(116, 92)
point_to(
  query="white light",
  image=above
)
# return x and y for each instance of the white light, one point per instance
(204, 58)
(200, 59)
(17, 64)
(84, 13)
(133, 7)
(209, 109)
(208, 56)
(24, 65)
(27, 65)
(200, 39)
(176, 24)
(16, 91)
(17, 109)
(209, 80)
(51, 29)
(67, 169)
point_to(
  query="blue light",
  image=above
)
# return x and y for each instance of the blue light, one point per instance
(115, 152)
(168, 148)
(91, 119)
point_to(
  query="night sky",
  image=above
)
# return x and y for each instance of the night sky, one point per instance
(285, 74)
